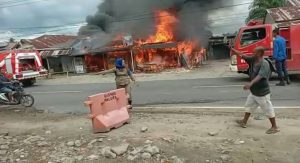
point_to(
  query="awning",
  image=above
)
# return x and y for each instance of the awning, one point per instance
(55, 53)
(110, 49)
(159, 45)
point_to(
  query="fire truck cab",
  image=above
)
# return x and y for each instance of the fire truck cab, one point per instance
(22, 65)
(258, 34)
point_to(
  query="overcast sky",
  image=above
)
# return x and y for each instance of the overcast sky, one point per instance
(41, 13)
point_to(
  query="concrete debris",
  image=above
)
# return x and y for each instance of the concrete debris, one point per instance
(144, 129)
(3, 152)
(175, 159)
(158, 157)
(90, 145)
(48, 132)
(120, 150)
(132, 157)
(213, 133)
(32, 139)
(77, 143)
(148, 142)
(145, 155)
(42, 144)
(93, 157)
(151, 149)
(225, 158)
(3, 147)
(69, 160)
(136, 151)
(71, 143)
(79, 158)
(107, 152)
(225, 152)
(239, 142)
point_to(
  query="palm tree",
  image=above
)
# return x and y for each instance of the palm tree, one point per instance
(258, 8)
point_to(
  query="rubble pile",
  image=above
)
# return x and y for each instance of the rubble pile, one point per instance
(38, 148)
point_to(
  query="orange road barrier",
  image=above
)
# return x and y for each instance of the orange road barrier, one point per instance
(108, 110)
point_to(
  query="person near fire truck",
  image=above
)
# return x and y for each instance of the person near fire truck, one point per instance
(279, 55)
(259, 70)
(123, 77)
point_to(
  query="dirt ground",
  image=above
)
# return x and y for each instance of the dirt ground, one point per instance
(211, 69)
(183, 134)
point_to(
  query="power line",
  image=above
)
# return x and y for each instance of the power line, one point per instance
(55, 30)
(11, 1)
(76, 23)
(21, 4)
(42, 27)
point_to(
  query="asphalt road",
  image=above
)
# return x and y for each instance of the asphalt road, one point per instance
(217, 92)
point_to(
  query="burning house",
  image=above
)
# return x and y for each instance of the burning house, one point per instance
(163, 36)
(163, 50)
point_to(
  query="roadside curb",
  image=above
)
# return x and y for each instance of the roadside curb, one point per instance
(215, 110)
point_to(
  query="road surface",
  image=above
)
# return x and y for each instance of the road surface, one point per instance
(216, 92)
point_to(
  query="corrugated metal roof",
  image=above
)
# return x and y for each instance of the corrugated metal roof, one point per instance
(48, 41)
(293, 2)
(8, 46)
(285, 14)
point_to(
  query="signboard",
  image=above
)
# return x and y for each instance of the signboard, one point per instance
(79, 69)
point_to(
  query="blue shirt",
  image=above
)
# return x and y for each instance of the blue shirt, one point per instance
(279, 53)
(2, 80)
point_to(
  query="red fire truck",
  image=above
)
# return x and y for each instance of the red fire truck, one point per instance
(22, 65)
(258, 34)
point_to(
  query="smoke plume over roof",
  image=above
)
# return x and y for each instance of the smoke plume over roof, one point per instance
(137, 18)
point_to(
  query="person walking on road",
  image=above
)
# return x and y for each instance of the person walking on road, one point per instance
(123, 77)
(259, 70)
(279, 55)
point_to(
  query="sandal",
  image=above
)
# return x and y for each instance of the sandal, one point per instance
(241, 123)
(272, 131)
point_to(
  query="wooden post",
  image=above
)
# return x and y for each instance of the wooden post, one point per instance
(74, 65)
(132, 62)
(48, 65)
(49, 69)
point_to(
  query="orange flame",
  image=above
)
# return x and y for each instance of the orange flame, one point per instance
(187, 47)
(164, 28)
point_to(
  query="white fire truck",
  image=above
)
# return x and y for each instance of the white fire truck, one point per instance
(22, 65)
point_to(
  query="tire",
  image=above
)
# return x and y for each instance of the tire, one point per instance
(28, 82)
(27, 100)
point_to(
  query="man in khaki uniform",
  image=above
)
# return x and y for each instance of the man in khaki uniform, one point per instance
(123, 77)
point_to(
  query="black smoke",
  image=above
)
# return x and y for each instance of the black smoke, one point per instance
(136, 17)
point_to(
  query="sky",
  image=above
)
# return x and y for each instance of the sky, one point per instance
(66, 16)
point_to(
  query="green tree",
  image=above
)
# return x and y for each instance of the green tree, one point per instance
(258, 8)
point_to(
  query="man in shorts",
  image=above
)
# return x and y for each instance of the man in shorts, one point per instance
(259, 71)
